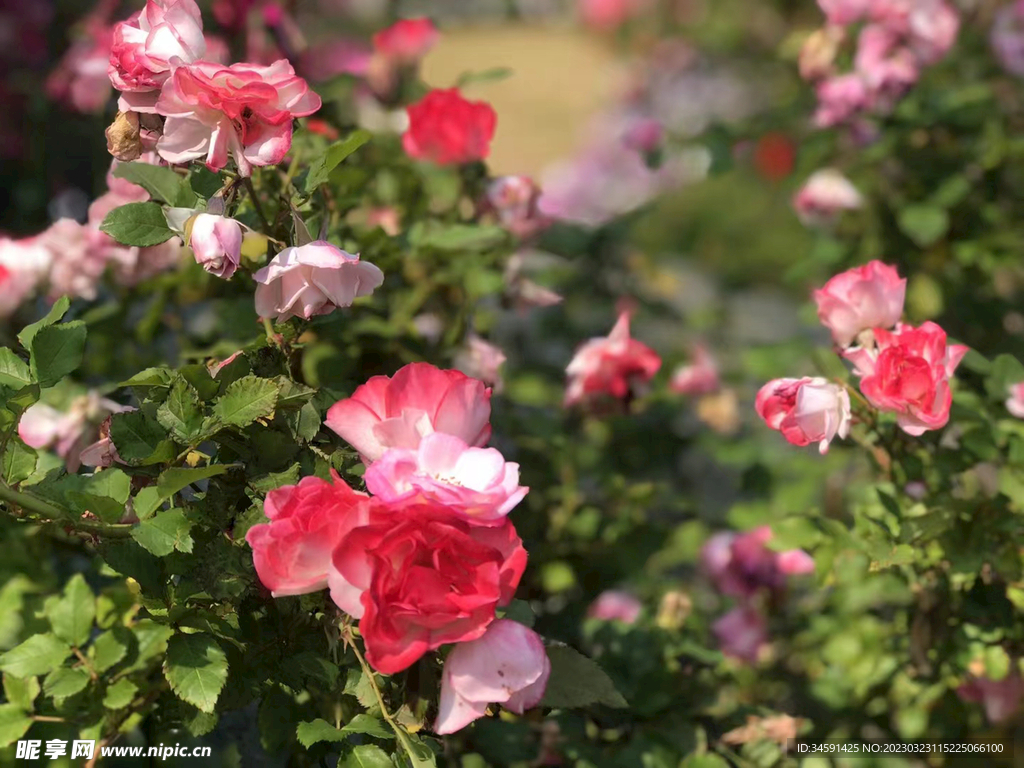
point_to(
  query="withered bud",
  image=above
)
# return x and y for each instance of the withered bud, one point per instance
(674, 610)
(123, 140)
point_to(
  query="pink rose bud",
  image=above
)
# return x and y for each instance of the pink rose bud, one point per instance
(908, 373)
(397, 412)
(699, 377)
(216, 242)
(245, 108)
(476, 483)
(615, 605)
(860, 299)
(406, 41)
(292, 553)
(1001, 698)
(1015, 402)
(610, 365)
(167, 33)
(807, 410)
(795, 562)
(313, 279)
(742, 633)
(824, 195)
(507, 665)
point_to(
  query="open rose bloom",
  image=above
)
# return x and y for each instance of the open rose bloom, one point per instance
(397, 412)
(741, 565)
(610, 365)
(908, 373)
(448, 129)
(861, 299)
(244, 109)
(313, 279)
(807, 410)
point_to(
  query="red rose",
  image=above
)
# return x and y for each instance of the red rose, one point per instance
(447, 129)
(419, 577)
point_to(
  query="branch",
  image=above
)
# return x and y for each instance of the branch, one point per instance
(57, 516)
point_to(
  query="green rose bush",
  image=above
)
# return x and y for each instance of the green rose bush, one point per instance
(321, 445)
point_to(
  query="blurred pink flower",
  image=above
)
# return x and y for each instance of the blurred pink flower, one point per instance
(843, 12)
(481, 360)
(1007, 37)
(740, 564)
(742, 633)
(406, 41)
(604, 15)
(514, 200)
(824, 195)
(615, 605)
(80, 78)
(24, 265)
(1001, 698)
(840, 98)
(699, 376)
(610, 365)
(68, 432)
(1015, 402)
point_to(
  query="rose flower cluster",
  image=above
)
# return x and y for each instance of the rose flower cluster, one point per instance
(903, 370)
(428, 558)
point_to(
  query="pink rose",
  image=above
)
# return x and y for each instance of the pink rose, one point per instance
(807, 410)
(888, 67)
(419, 577)
(1007, 37)
(68, 432)
(699, 376)
(741, 564)
(824, 195)
(908, 373)
(603, 15)
(24, 264)
(80, 78)
(860, 299)
(420, 399)
(216, 242)
(481, 360)
(1001, 698)
(407, 40)
(292, 553)
(166, 34)
(476, 483)
(610, 365)
(840, 98)
(79, 258)
(447, 129)
(615, 605)
(313, 279)
(514, 200)
(932, 26)
(1015, 402)
(843, 12)
(245, 108)
(742, 633)
(507, 665)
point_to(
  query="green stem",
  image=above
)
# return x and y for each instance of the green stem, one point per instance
(31, 503)
(57, 516)
(256, 204)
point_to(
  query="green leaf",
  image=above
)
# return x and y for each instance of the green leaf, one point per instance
(368, 756)
(147, 501)
(109, 648)
(310, 733)
(120, 694)
(520, 611)
(197, 668)
(173, 480)
(14, 724)
(181, 413)
(457, 237)
(141, 224)
(57, 351)
(57, 311)
(164, 533)
(151, 378)
(136, 437)
(320, 169)
(163, 184)
(18, 462)
(105, 494)
(73, 614)
(21, 691)
(577, 681)
(924, 224)
(14, 372)
(246, 400)
(106, 509)
(65, 682)
(492, 75)
(38, 655)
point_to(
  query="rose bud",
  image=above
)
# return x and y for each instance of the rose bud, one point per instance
(805, 410)
(216, 242)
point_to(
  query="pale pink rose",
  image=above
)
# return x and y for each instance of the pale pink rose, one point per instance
(907, 372)
(406, 41)
(741, 564)
(387, 218)
(825, 193)
(888, 67)
(164, 35)
(78, 258)
(292, 553)
(1015, 402)
(476, 483)
(1007, 37)
(933, 26)
(644, 135)
(843, 12)
(699, 376)
(68, 432)
(397, 412)
(615, 605)
(506, 665)
(859, 299)
(1001, 698)
(610, 365)
(807, 410)
(216, 242)
(24, 265)
(742, 633)
(313, 279)
(840, 98)
(481, 360)
(514, 200)
(245, 109)
(80, 78)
